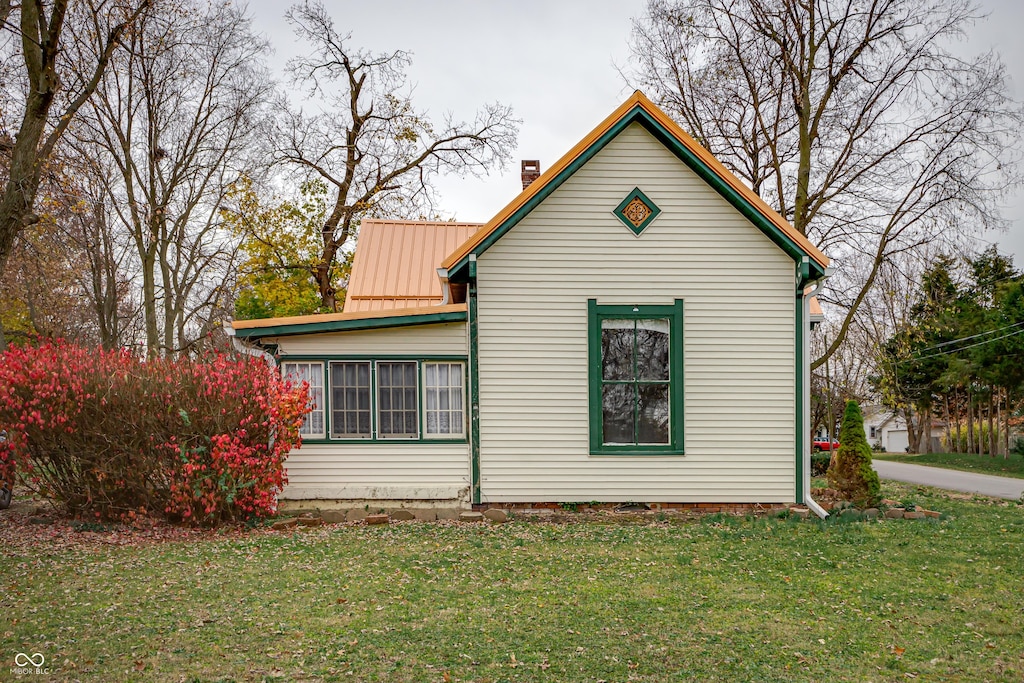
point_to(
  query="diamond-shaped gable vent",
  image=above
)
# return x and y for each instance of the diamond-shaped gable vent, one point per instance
(636, 211)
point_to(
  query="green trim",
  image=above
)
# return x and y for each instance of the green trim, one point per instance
(474, 388)
(800, 427)
(350, 325)
(674, 312)
(639, 115)
(636, 194)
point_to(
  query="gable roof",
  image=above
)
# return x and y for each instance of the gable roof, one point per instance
(639, 109)
(395, 264)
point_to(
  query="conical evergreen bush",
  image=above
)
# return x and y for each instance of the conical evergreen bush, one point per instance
(850, 472)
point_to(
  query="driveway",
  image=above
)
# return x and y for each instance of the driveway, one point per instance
(952, 480)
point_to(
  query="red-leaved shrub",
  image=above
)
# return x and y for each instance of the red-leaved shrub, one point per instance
(112, 435)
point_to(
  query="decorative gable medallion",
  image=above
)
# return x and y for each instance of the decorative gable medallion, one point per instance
(636, 211)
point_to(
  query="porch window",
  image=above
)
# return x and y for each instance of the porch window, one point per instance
(396, 400)
(350, 400)
(313, 374)
(443, 391)
(636, 389)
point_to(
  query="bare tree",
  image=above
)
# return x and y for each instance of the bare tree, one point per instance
(373, 148)
(41, 31)
(850, 116)
(178, 120)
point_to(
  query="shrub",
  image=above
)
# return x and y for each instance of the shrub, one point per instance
(958, 443)
(851, 473)
(819, 464)
(108, 434)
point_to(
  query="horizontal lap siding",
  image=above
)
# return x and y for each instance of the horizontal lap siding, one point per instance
(379, 470)
(423, 340)
(389, 471)
(738, 292)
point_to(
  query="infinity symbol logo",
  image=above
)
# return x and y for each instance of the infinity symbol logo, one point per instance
(22, 659)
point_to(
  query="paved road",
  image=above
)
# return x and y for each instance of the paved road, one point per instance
(953, 480)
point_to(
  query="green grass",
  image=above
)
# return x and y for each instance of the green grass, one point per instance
(723, 599)
(1012, 466)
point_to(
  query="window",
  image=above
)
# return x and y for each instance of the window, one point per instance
(396, 400)
(313, 374)
(636, 371)
(874, 432)
(386, 399)
(350, 401)
(443, 392)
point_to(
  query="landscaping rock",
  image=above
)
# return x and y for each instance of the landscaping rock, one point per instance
(871, 513)
(377, 519)
(471, 517)
(284, 524)
(496, 515)
(402, 515)
(356, 515)
(894, 513)
(333, 516)
(802, 513)
(850, 514)
(931, 513)
(447, 513)
(310, 521)
(913, 515)
(426, 515)
(39, 520)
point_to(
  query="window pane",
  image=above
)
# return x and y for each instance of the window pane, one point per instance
(443, 414)
(617, 404)
(396, 399)
(350, 400)
(652, 349)
(312, 375)
(653, 414)
(617, 349)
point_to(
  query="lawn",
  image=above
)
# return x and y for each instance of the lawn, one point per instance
(722, 599)
(1013, 466)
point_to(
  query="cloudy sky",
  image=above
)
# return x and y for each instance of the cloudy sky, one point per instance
(554, 62)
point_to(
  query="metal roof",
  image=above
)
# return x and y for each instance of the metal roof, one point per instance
(396, 262)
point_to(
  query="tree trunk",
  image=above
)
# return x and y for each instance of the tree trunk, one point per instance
(991, 431)
(970, 421)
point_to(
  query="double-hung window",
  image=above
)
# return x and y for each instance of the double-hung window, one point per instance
(313, 375)
(397, 416)
(636, 379)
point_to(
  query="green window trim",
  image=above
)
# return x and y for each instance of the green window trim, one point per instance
(375, 438)
(595, 315)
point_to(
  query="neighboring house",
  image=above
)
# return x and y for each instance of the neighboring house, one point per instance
(632, 327)
(887, 430)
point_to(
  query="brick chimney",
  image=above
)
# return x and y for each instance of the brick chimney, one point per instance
(531, 171)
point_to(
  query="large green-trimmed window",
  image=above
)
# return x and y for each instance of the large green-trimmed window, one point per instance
(636, 379)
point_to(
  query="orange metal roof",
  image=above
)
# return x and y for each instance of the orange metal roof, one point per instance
(396, 262)
(636, 99)
(335, 317)
(816, 307)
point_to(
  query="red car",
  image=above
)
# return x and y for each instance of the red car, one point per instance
(824, 445)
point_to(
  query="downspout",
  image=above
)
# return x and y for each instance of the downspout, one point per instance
(446, 288)
(474, 382)
(804, 419)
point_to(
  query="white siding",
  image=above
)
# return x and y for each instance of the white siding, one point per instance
(739, 339)
(426, 340)
(379, 471)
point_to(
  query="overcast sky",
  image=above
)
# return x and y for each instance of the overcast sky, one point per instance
(554, 62)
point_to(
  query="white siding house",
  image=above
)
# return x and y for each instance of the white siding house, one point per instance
(631, 327)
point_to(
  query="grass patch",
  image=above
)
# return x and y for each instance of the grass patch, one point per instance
(1013, 466)
(723, 599)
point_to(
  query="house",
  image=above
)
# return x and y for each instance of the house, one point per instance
(632, 327)
(886, 430)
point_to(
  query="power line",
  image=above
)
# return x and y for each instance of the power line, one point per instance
(969, 346)
(973, 336)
